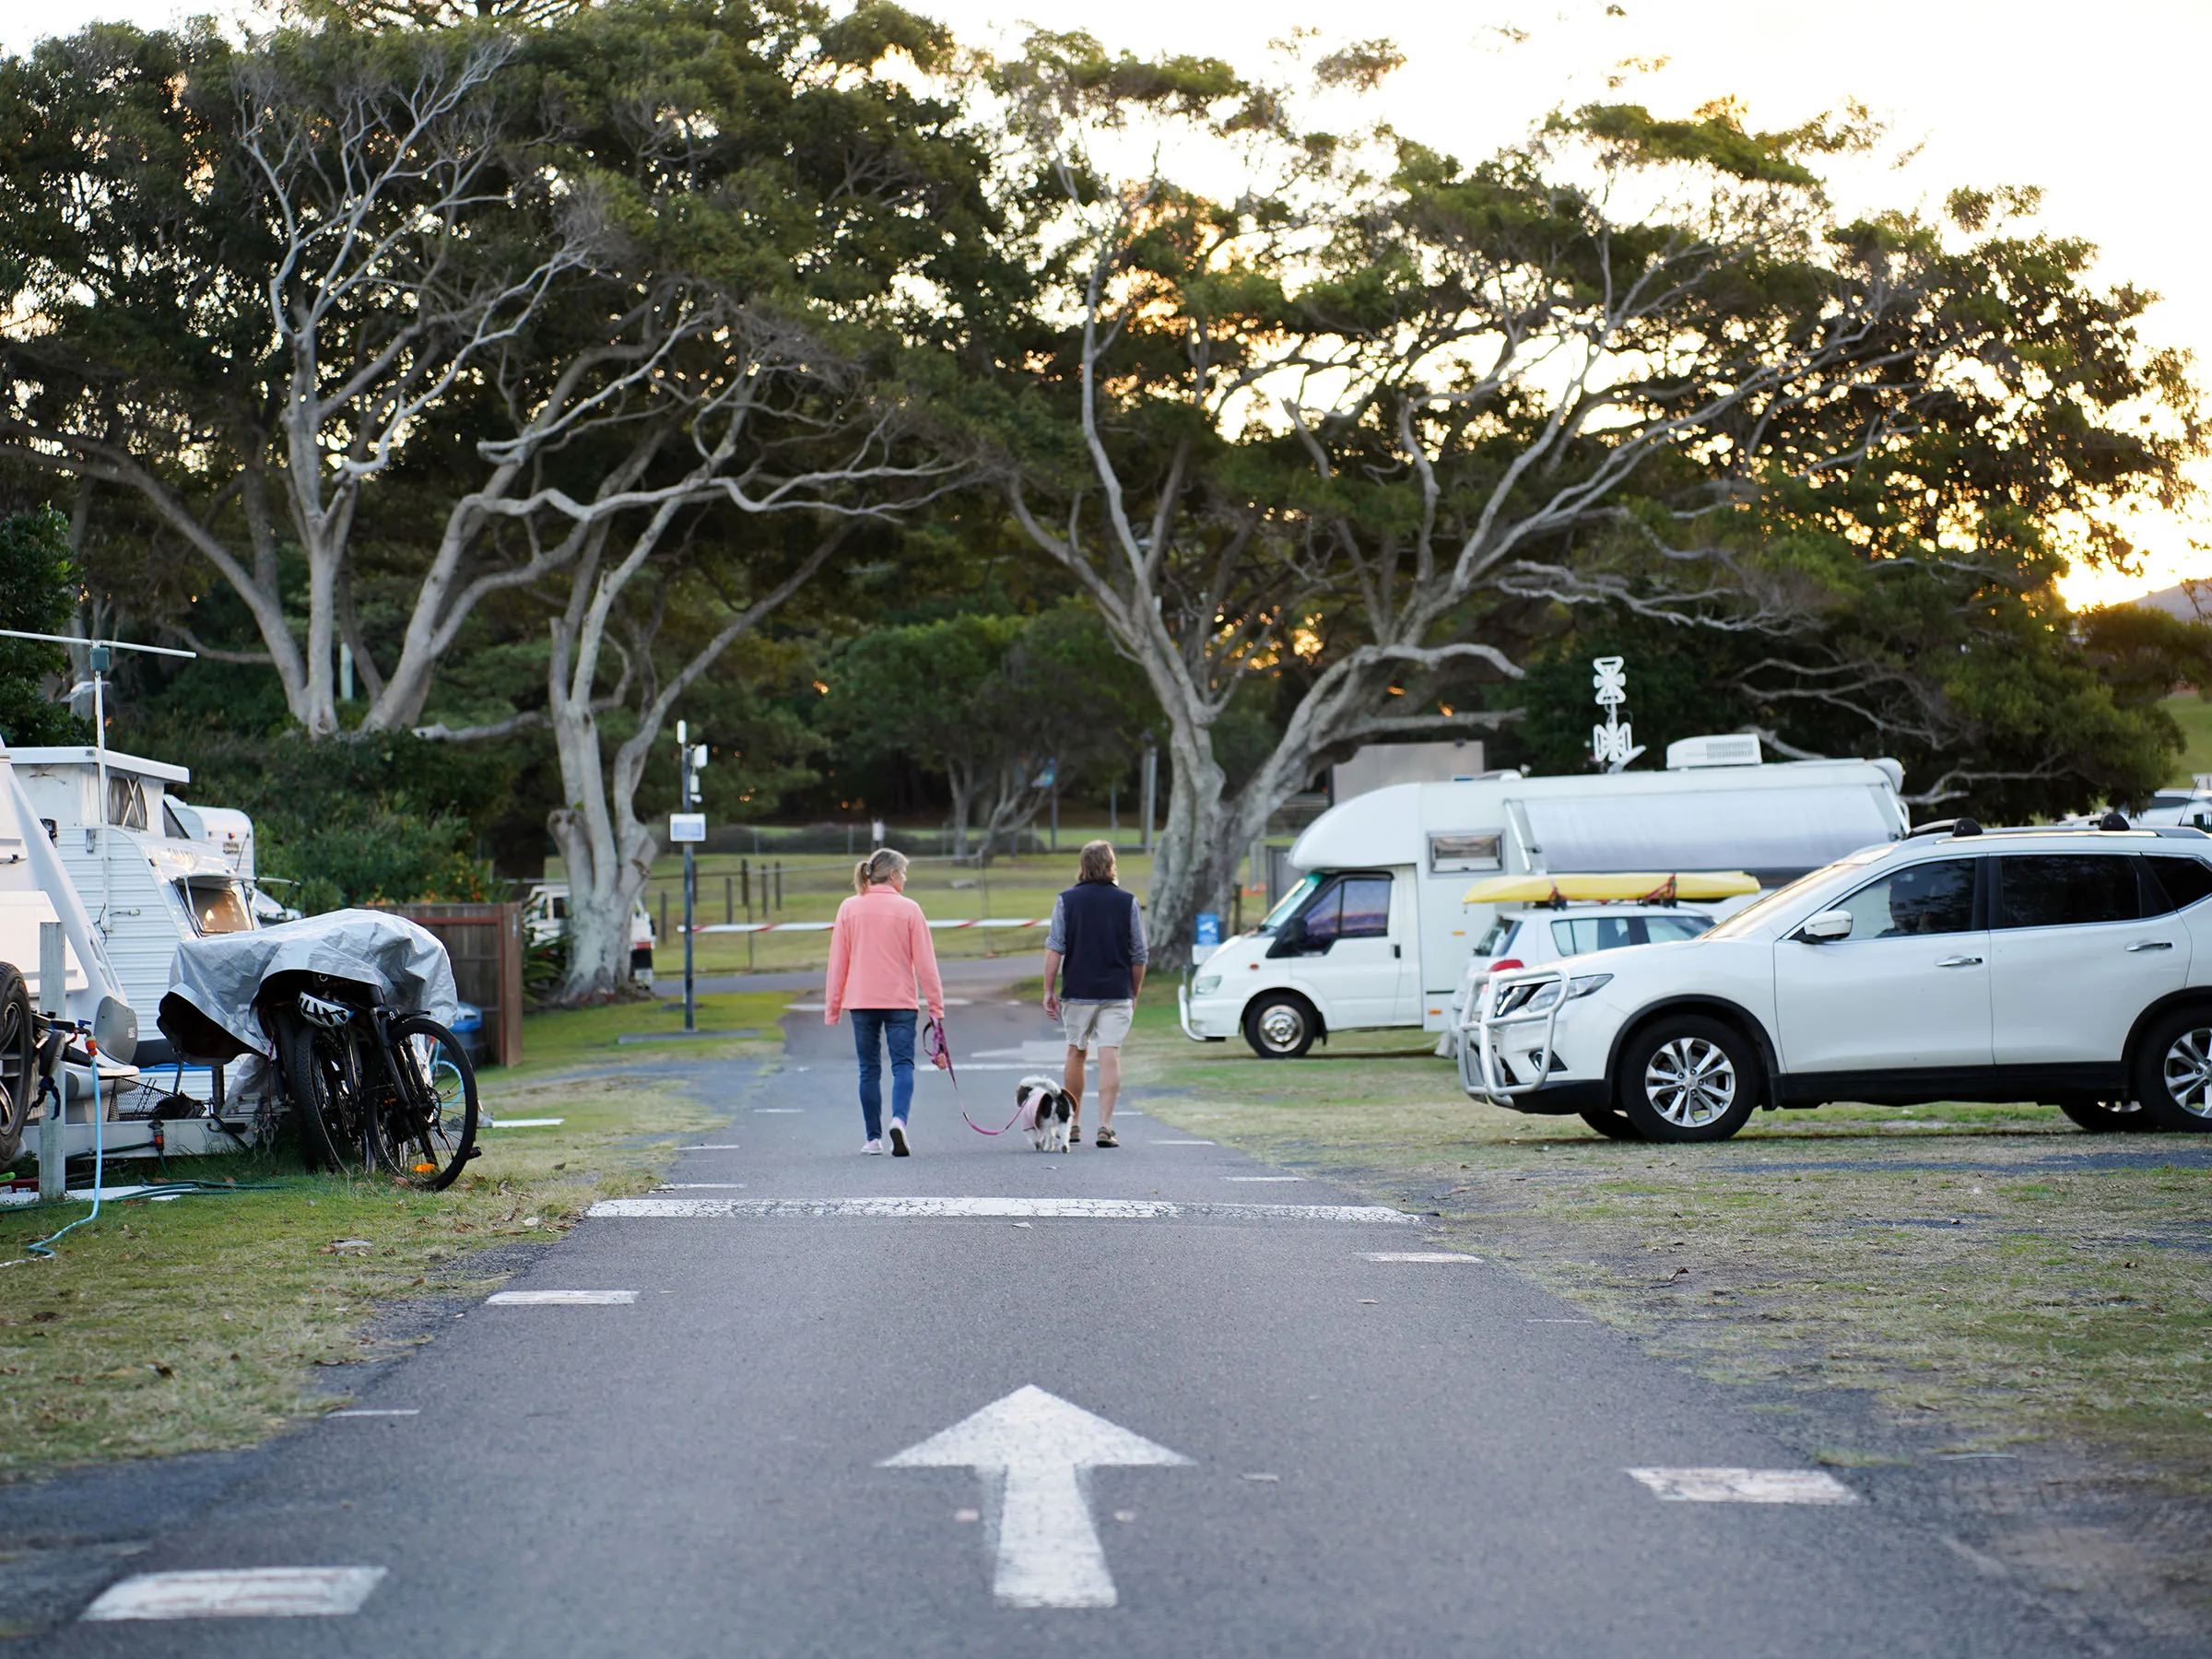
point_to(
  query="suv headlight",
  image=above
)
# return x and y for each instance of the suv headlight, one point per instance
(1534, 998)
(1206, 984)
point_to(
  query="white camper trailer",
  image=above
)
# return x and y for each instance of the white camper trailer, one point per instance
(1376, 935)
(146, 883)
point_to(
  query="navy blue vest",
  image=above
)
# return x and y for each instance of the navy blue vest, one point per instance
(1100, 920)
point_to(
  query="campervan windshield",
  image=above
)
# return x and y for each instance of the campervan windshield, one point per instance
(1291, 900)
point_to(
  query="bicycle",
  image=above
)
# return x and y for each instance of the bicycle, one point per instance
(376, 1089)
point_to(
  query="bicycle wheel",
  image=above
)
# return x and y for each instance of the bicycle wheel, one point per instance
(322, 1074)
(427, 1129)
(18, 1062)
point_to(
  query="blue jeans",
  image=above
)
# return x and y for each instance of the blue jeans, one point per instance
(872, 1027)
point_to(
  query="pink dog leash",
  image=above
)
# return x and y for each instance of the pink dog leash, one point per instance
(939, 1052)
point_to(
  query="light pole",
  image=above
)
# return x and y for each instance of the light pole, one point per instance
(1151, 784)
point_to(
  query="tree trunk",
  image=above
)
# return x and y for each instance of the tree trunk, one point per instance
(607, 868)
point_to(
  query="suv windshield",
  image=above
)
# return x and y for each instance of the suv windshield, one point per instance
(1749, 918)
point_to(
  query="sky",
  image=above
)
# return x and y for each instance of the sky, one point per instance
(2101, 107)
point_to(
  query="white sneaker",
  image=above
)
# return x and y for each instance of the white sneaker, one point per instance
(898, 1143)
(874, 1148)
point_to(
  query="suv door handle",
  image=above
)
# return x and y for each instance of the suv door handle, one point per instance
(2152, 944)
(1960, 962)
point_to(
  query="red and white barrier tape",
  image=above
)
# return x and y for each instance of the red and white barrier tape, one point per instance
(751, 928)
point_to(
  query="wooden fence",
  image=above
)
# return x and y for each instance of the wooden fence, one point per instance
(485, 942)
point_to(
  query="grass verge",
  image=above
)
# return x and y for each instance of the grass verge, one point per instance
(202, 1322)
(1985, 1269)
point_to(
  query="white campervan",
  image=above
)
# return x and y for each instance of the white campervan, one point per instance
(1377, 935)
(146, 880)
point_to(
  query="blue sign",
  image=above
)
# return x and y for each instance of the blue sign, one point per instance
(1209, 928)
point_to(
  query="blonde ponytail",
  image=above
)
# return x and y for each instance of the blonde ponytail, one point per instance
(878, 867)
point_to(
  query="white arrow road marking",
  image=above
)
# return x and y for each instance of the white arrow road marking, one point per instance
(254, 1593)
(1033, 1452)
(559, 1298)
(1746, 1485)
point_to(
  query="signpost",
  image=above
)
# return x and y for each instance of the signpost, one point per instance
(690, 829)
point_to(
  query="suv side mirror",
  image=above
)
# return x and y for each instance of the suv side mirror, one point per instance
(1827, 927)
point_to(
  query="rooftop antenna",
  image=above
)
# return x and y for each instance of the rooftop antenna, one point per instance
(1613, 745)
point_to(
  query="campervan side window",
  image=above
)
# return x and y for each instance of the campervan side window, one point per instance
(126, 802)
(1358, 907)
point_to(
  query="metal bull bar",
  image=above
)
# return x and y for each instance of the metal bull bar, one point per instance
(1482, 1069)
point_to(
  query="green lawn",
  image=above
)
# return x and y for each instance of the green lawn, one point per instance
(206, 1322)
(2194, 715)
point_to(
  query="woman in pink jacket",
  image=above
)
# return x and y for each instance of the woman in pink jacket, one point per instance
(878, 949)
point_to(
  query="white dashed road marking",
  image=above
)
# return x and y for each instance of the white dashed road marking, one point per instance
(383, 1411)
(559, 1298)
(942, 1209)
(1452, 1257)
(526, 1122)
(724, 1147)
(1263, 1180)
(1746, 1485)
(779, 1110)
(1180, 1143)
(227, 1592)
(699, 1186)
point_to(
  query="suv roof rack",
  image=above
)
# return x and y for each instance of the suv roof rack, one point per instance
(2109, 824)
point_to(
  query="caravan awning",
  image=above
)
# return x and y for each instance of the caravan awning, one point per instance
(1775, 833)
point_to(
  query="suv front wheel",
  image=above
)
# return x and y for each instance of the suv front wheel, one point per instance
(1688, 1078)
(2173, 1070)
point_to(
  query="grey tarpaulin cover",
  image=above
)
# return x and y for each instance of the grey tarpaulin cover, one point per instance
(214, 980)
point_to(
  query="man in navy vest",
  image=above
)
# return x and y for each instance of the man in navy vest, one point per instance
(1094, 966)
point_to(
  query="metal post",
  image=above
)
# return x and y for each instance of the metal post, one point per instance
(100, 758)
(745, 885)
(1113, 804)
(729, 899)
(1151, 785)
(1056, 809)
(54, 998)
(664, 915)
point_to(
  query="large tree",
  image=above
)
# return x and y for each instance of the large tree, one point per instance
(1343, 425)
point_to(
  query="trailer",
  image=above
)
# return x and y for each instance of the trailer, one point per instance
(146, 882)
(1377, 932)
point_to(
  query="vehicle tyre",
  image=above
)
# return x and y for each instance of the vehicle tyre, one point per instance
(327, 1096)
(1610, 1122)
(2173, 1070)
(1688, 1078)
(2109, 1117)
(1281, 1026)
(18, 1062)
(430, 1131)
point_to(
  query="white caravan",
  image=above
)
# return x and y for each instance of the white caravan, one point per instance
(147, 884)
(1376, 934)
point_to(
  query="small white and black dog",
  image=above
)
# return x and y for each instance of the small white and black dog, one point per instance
(1046, 1111)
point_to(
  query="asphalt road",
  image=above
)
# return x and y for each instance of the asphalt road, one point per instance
(1382, 1458)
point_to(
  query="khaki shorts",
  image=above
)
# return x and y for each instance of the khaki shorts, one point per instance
(1096, 1024)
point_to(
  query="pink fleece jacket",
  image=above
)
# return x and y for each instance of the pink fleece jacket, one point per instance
(878, 948)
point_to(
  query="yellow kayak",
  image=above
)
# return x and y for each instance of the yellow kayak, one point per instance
(1690, 885)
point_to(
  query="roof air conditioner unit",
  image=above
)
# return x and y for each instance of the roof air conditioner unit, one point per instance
(1732, 748)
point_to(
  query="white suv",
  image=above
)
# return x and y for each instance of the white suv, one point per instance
(2072, 967)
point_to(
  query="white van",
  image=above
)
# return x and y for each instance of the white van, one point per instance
(546, 918)
(1376, 935)
(146, 882)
